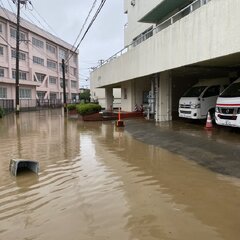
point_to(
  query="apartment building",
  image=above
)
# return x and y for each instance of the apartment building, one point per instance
(41, 55)
(169, 46)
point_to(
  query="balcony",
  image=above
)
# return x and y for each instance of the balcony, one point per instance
(168, 22)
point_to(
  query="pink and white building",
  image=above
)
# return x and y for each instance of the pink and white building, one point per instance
(41, 56)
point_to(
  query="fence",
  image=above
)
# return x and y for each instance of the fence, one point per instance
(38, 104)
(7, 105)
(32, 104)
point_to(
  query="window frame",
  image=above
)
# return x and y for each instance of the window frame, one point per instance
(3, 92)
(38, 60)
(25, 93)
(37, 42)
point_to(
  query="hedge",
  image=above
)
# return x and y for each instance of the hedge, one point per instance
(71, 106)
(88, 108)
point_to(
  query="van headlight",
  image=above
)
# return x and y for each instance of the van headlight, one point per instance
(195, 105)
(217, 109)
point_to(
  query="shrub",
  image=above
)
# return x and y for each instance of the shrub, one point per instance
(88, 108)
(1, 112)
(72, 106)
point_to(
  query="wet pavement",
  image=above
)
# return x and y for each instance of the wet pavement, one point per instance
(217, 149)
(97, 182)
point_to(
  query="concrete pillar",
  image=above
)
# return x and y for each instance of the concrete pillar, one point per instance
(164, 98)
(127, 96)
(156, 88)
(109, 98)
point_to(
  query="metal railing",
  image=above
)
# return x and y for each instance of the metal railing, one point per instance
(33, 104)
(168, 22)
(38, 104)
(7, 105)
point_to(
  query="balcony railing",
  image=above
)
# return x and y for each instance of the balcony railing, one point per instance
(168, 22)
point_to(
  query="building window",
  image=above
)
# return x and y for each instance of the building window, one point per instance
(51, 48)
(25, 93)
(38, 43)
(38, 60)
(22, 55)
(1, 72)
(52, 80)
(39, 77)
(60, 68)
(13, 34)
(22, 75)
(73, 71)
(53, 96)
(61, 82)
(75, 58)
(73, 84)
(41, 95)
(62, 54)
(51, 64)
(3, 92)
(1, 50)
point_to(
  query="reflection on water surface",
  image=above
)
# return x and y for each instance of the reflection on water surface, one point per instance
(97, 182)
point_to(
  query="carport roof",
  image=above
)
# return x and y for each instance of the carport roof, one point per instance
(162, 10)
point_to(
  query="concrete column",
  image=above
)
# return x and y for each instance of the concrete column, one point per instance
(164, 98)
(156, 88)
(109, 98)
(128, 97)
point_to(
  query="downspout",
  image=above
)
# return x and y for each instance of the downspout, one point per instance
(157, 97)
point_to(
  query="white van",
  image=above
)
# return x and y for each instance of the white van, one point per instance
(228, 106)
(201, 98)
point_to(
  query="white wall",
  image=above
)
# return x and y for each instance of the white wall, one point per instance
(135, 13)
(209, 32)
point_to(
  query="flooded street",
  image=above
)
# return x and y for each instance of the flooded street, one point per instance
(97, 183)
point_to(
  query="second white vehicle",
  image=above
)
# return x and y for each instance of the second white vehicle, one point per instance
(201, 98)
(228, 106)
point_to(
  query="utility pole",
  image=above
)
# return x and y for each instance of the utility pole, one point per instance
(19, 2)
(64, 86)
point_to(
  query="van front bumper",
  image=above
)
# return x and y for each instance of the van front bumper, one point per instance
(190, 113)
(227, 120)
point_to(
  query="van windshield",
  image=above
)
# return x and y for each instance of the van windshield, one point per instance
(194, 91)
(232, 91)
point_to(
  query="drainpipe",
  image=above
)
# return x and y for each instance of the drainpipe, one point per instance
(157, 97)
(152, 98)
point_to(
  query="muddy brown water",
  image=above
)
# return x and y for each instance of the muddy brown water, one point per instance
(97, 182)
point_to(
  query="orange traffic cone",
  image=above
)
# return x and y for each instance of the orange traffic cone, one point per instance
(119, 122)
(209, 124)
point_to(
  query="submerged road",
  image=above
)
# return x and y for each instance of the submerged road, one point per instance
(217, 149)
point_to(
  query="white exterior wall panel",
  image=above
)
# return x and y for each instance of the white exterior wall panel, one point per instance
(209, 32)
(135, 13)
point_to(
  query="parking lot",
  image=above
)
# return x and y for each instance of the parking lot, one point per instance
(217, 149)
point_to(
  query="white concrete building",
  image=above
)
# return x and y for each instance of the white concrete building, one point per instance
(41, 56)
(169, 45)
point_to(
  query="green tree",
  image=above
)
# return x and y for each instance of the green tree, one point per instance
(85, 95)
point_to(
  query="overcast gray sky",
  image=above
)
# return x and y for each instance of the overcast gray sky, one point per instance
(66, 17)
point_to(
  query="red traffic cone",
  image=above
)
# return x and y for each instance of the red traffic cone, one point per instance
(209, 124)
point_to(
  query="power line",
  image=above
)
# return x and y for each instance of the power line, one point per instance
(4, 10)
(43, 19)
(11, 6)
(89, 26)
(42, 52)
(85, 22)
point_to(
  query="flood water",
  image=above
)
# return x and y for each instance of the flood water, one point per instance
(98, 183)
